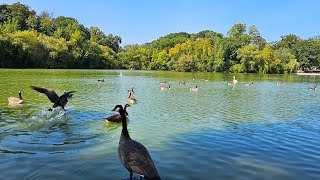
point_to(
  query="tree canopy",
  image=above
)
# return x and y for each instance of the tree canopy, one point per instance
(31, 40)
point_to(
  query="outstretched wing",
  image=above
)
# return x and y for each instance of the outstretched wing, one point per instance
(49, 92)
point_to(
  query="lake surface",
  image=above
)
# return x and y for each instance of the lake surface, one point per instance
(262, 131)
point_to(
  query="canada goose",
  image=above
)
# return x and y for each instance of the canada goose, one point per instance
(249, 84)
(14, 100)
(131, 99)
(280, 83)
(131, 90)
(166, 87)
(182, 83)
(163, 82)
(117, 117)
(132, 154)
(53, 97)
(313, 88)
(194, 88)
(100, 80)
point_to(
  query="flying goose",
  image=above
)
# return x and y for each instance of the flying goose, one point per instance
(132, 154)
(53, 97)
(117, 117)
(14, 100)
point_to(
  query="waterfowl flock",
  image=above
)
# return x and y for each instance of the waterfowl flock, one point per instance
(134, 156)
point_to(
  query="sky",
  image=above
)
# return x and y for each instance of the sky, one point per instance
(141, 21)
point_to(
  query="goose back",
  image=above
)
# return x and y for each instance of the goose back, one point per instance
(133, 155)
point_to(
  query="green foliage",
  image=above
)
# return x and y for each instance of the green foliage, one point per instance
(28, 40)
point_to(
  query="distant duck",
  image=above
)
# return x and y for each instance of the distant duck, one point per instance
(249, 84)
(206, 80)
(54, 98)
(280, 83)
(163, 82)
(313, 88)
(117, 117)
(131, 90)
(132, 154)
(194, 88)
(120, 74)
(131, 99)
(166, 87)
(100, 80)
(182, 83)
(15, 100)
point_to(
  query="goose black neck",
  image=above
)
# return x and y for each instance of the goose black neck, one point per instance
(20, 95)
(124, 124)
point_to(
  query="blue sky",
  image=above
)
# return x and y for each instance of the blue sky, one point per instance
(140, 21)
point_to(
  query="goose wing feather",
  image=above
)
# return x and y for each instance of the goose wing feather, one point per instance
(136, 158)
(53, 97)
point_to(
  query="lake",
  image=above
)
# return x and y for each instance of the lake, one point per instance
(263, 131)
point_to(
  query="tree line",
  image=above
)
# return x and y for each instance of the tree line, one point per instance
(28, 40)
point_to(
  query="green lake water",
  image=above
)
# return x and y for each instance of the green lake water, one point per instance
(262, 131)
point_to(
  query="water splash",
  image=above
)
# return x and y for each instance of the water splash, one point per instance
(45, 119)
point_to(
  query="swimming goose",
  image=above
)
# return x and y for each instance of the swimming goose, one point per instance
(53, 97)
(313, 88)
(132, 154)
(131, 99)
(163, 82)
(249, 84)
(117, 117)
(194, 88)
(182, 83)
(166, 87)
(14, 100)
(280, 83)
(99, 80)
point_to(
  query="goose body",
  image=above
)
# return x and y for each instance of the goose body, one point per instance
(313, 88)
(249, 84)
(165, 87)
(182, 83)
(15, 100)
(100, 80)
(163, 82)
(194, 88)
(53, 97)
(233, 82)
(279, 83)
(131, 99)
(117, 117)
(132, 154)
